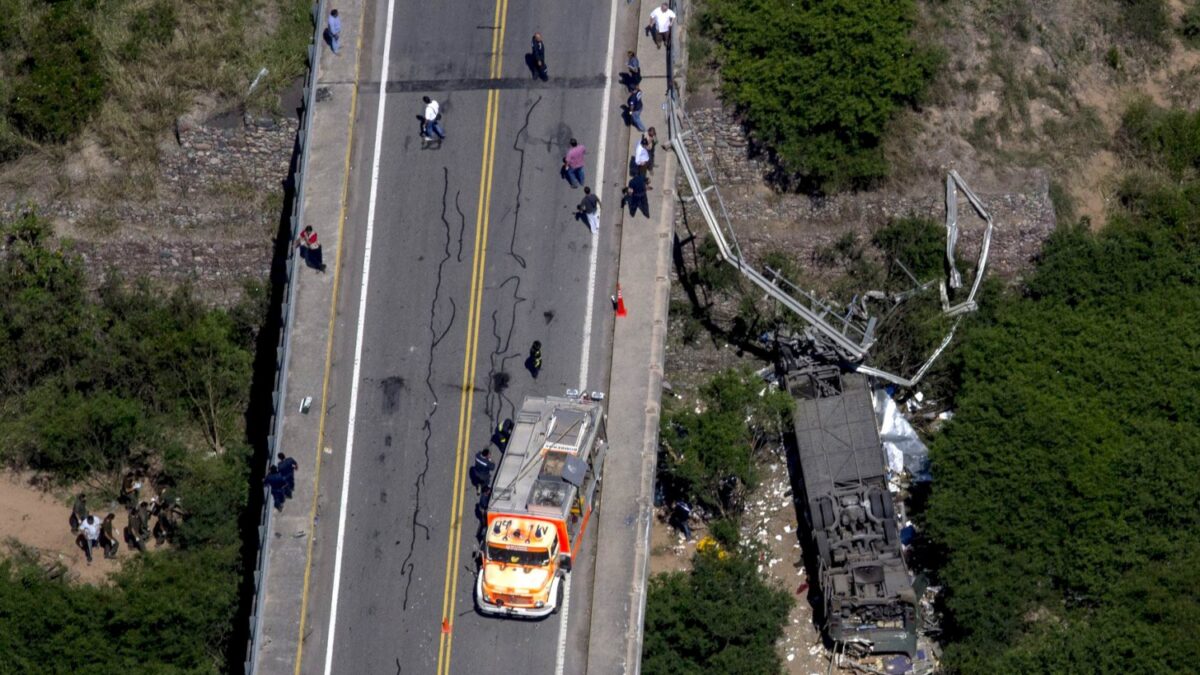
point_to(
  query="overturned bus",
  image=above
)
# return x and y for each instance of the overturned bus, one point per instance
(869, 602)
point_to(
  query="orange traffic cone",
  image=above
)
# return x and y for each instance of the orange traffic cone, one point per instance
(446, 626)
(619, 301)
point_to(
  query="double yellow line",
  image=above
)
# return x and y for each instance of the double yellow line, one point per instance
(474, 308)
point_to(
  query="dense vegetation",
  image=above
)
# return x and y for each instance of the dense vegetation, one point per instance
(88, 387)
(708, 456)
(1066, 499)
(819, 81)
(126, 68)
(721, 617)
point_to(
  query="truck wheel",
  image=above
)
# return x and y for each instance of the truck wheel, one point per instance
(558, 600)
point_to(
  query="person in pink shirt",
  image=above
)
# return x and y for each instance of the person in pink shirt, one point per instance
(573, 164)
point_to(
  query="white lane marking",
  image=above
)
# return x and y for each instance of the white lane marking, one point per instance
(560, 659)
(592, 259)
(358, 342)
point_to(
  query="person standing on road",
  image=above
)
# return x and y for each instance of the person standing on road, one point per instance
(108, 541)
(662, 19)
(538, 54)
(633, 107)
(310, 248)
(481, 507)
(287, 468)
(334, 31)
(634, 77)
(433, 125)
(534, 362)
(641, 157)
(79, 511)
(573, 163)
(278, 486)
(481, 470)
(635, 196)
(590, 208)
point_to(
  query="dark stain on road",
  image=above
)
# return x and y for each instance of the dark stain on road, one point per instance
(500, 381)
(548, 315)
(391, 387)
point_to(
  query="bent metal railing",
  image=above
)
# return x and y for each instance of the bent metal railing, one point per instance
(849, 332)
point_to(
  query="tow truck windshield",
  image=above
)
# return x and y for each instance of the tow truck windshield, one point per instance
(510, 556)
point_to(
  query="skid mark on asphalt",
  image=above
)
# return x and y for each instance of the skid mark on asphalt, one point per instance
(435, 338)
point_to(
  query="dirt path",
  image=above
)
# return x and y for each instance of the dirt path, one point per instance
(37, 520)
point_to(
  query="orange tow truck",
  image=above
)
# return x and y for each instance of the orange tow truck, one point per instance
(544, 492)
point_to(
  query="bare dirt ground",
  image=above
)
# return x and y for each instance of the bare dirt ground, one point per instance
(39, 522)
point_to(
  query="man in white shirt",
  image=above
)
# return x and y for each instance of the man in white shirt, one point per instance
(432, 126)
(662, 19)
(641, 157)
(89, 536)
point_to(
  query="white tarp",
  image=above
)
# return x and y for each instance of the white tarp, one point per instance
(901, 446)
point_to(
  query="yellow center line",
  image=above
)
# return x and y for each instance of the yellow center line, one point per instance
(337, 276)
(470, 358)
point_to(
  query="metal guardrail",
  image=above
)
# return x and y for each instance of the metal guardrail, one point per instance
(282, 351)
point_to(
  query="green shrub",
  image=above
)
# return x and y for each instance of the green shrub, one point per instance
(62, 81)
(1170, 138)
(1189, 25)
(705, 450)
(917, 243)
(818, 82)
(1145, 20)
(721, 617)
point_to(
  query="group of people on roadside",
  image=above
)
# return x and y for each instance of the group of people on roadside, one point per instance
(281, 479)
(93, 532)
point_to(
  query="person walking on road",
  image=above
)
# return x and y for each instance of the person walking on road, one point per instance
(287, 468)
(433, 124)
(633, 108)
(573, 163)
(481, 469)
(278, 486)
(661, 20)
(537, 54)
(108, 540)
(310, 248)
(501, 435)
(635, 196)
(589, 207)
(333, 31)
(79, 511)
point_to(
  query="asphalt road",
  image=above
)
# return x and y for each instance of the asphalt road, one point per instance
(474, 253)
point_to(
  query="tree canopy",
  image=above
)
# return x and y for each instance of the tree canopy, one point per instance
(818, 81)
(1066, 494)
(91, 383)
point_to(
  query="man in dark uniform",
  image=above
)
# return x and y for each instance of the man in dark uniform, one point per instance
(534, 362)
(287, 469)
(108, 541)
(481, 470)
(278, 485)
(485, 497)
(681, 514)
(168, 521)
(78, 512)
(538, 57)
(133, 531)
(503, 432)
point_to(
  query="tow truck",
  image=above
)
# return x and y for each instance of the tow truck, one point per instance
(543, 495)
